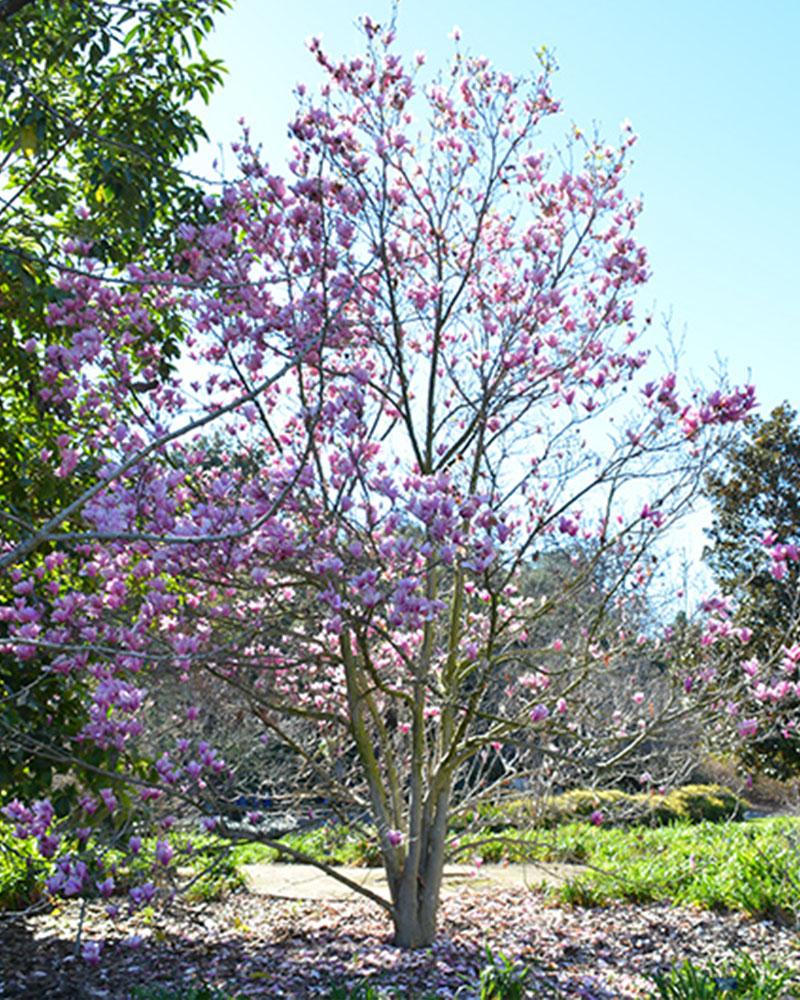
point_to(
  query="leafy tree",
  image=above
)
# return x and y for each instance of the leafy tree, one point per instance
(94, 123)
(755, 493)
(411, 345)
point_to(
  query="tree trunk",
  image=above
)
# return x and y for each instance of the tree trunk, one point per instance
(416, 909)
(414, 925)
(416, 893)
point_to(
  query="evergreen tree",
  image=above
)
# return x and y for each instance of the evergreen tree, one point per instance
(756, 495)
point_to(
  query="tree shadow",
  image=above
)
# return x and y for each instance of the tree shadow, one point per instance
(254, 946)
(285, 961)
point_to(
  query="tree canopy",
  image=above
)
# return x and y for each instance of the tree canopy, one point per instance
(755, 496)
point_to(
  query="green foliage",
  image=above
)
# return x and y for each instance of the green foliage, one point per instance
(215, 872)
(686, 982)
(196, 992)
(698, 803)
(95, 115)
(757, 490)
(744, 977)
(336, 843)
(501, 978)
(364, 991)
(749, 867)
(21, 871)
(692, 803)
(214, 878)
(94, 121)
(767, 884)
(371, 991)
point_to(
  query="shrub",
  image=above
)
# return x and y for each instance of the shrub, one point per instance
(501, 978)
(692, 803)
(21, 871)
(696, 803)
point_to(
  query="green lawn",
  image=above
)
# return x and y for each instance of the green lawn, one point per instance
(751, 866)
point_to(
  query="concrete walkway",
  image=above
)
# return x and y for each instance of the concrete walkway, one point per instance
(307, 882)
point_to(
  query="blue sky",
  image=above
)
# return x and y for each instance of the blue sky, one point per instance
(711, 86)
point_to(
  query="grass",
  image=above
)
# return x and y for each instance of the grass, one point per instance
(337, 844)
(744, 977)
(752, 867)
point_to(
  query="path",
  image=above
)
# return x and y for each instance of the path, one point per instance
(307, 882)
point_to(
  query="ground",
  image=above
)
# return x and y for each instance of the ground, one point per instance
(270, 946)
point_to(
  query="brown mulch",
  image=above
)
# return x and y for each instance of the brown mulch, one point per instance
(259, 947)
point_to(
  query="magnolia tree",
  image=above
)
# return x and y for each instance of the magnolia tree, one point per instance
(413, 380)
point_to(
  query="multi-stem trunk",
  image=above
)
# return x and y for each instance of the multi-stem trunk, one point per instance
(416, 888)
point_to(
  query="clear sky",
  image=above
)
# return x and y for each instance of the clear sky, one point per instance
(711, 86)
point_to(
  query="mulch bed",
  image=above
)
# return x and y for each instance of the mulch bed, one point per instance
(259, 947)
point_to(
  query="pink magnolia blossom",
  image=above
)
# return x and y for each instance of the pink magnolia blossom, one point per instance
(747, 728)
(164, 852)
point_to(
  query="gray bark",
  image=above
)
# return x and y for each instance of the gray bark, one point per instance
(415, 894)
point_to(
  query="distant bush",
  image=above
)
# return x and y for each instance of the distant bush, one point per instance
(697, 803)
(759, 789)
(692, 803)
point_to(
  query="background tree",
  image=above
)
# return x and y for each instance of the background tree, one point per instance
(95, 120)
(94, 123)
(418, 347)
(755, 495)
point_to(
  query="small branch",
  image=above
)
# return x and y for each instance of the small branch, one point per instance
(327, 869)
